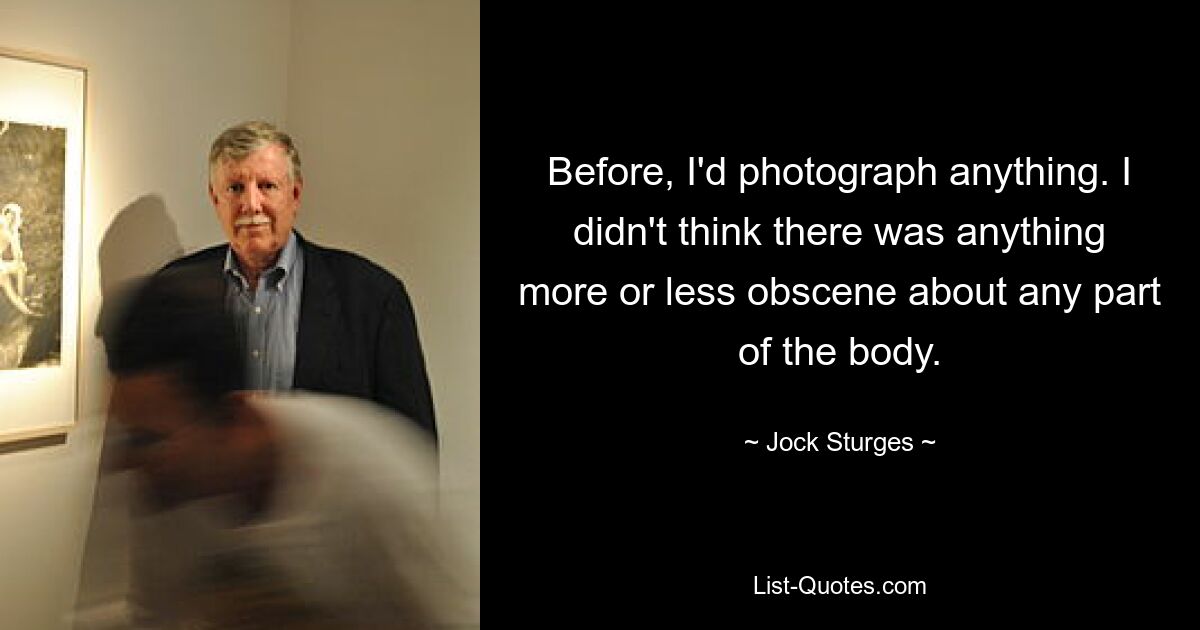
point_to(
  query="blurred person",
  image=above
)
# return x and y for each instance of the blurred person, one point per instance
(310, 317)
(260, 510)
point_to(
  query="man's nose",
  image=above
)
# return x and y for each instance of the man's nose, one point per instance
(254, 199)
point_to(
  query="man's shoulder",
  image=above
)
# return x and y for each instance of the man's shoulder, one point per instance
(345, 266)
(333, 416)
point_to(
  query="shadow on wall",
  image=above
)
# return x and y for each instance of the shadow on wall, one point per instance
(141, 239)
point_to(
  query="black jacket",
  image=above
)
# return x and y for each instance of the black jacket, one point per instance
(358, 333)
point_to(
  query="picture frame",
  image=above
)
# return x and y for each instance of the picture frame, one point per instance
(43, 113)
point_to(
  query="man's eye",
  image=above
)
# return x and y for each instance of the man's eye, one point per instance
(235, 188)
(268, 186)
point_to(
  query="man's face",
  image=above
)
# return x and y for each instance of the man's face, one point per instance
(179, 457)
(256, 201)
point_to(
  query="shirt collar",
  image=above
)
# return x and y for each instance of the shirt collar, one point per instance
(274, 275)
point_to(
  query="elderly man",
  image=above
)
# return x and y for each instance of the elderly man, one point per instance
(309, 317)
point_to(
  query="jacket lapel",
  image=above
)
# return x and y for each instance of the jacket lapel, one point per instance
(315, 352)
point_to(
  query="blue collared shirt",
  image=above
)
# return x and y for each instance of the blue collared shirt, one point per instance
(268, 318)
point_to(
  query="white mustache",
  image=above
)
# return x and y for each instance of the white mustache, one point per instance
(254, 219)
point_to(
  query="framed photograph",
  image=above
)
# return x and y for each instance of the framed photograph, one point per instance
(43, 103)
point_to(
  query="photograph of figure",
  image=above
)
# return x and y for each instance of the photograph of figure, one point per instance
(32, 168)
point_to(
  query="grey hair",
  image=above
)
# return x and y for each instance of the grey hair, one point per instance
(241, 140)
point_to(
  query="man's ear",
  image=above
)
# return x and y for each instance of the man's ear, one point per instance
(250, 431)
(297, 188)
(237, 404)
(242, 412)
(212, 194)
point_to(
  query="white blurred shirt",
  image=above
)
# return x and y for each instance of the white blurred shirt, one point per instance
(352, 538)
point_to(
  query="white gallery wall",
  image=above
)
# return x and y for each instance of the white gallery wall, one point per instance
(383, 98)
